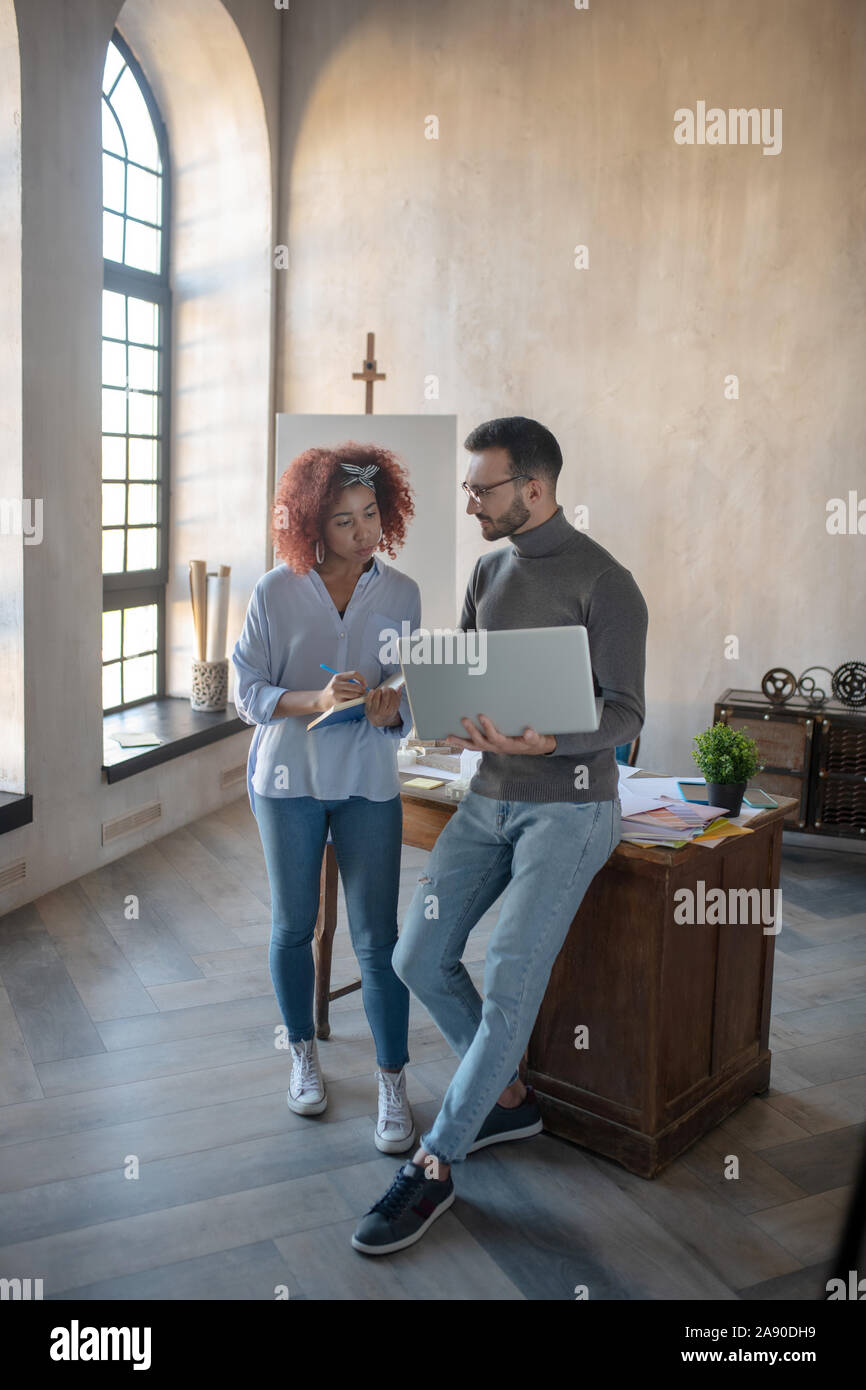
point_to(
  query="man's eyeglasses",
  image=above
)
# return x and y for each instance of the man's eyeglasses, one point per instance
(477, 493)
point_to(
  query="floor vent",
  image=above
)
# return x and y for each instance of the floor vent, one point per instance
(133, 820)
(231, 776)
(13, 873)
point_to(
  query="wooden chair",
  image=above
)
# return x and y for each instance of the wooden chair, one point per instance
(323, 943)
(631, 756)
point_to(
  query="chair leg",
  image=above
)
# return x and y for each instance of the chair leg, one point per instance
(323, 940)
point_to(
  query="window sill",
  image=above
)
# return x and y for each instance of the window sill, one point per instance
(15, 810)
(180, 728)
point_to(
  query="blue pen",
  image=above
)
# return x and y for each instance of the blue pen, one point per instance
(323, 667)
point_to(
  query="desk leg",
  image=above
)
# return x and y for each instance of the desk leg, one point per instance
(323, 940)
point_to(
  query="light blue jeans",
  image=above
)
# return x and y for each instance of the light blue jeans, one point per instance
(367, 837)
(543, 855)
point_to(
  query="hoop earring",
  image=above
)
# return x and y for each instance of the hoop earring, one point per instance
(381, 534)
(319, 558)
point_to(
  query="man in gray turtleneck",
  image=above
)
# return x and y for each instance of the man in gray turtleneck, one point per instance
(541, 817)
(552, 575)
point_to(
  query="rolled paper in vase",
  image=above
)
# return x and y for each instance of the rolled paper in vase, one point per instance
(198, 594)
(217, 613)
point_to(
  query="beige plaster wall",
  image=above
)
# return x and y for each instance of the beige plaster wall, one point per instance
(555, 130)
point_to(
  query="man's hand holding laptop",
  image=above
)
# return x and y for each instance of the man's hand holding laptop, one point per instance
(488, 739)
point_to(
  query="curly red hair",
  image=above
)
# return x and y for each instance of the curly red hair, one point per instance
(312, 483)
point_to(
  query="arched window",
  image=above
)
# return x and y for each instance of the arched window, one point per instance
(136, 308)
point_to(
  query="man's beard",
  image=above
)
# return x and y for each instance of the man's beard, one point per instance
(504, 525)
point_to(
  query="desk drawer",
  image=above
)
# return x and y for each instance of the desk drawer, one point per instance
(783, 744)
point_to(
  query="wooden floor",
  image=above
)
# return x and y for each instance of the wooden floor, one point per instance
(152, 1040)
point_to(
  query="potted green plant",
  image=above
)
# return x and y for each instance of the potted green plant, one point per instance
(727, 759)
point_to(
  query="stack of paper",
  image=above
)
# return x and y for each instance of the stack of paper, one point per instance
(654, 813)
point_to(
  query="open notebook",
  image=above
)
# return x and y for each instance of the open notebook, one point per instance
(346, 710)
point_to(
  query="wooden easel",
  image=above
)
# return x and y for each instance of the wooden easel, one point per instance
(369, 374)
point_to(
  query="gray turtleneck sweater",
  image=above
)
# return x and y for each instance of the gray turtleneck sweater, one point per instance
(552, 576)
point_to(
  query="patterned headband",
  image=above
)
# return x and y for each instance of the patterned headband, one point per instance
(359, 475)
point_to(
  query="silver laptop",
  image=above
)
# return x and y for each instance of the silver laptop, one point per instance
(537, 676)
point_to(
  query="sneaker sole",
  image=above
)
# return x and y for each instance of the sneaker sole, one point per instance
(395, 1146)
(526, 1133)
(309, 1108)
(407, 1240)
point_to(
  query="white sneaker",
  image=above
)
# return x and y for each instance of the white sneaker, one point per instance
(306, 1093)
(395, 1128)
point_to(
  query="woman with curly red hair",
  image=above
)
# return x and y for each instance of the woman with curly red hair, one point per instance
(332, 602)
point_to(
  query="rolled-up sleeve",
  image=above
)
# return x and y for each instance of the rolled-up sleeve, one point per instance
(256, 696)
(404, 728)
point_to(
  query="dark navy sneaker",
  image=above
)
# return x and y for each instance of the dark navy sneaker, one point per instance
(411, 1204)
(517, 1123)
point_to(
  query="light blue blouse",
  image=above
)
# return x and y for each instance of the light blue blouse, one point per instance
(292, 624)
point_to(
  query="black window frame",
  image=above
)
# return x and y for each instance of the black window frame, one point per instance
(134, 588)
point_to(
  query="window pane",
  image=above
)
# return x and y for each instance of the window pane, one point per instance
(113, 457)
(113, 314)
(111, 686)
(113, 504)
(143, 247)
(143, 321)
(143, 368)
(111, 635)
(132, 329)
(135, 121)
(111, 136)
(113, 364)
(142, 458)
(114, 61)
(142, 413)
(139, 629)
(139, 678)
(142, 504)
(112, 236)
(144, 195)
(113, 191)
(142, 550)
(112, 552)
(114, 412)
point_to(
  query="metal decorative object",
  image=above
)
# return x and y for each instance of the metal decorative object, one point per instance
(849, 684)
(814, 693)
(779, 685)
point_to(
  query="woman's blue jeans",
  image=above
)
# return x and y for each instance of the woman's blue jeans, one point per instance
(543, 856)
(367, 838)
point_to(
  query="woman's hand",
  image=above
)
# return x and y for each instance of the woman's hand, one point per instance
(382, 706)
(342, 687)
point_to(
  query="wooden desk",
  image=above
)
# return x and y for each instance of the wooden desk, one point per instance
(678, 1016)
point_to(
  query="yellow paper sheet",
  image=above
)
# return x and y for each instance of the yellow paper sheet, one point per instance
(722, 832)
(425, 782)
